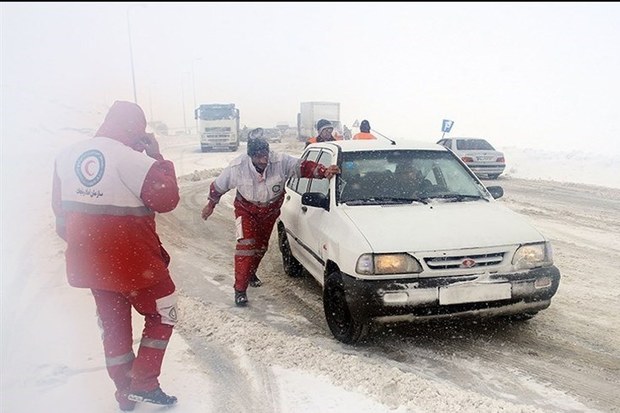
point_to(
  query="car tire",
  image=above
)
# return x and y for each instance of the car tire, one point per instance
(292, 267)
(340, 321)
(493, 176)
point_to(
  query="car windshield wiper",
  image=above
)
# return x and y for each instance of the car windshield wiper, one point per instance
(384, 200)
(458, 197)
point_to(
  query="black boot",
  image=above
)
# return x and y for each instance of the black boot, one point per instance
(241, 298)
(156, 396)
(255, 282)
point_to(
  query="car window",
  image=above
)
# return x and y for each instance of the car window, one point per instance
(300, 185)
(404, 175)
(473, 144)
(321, 185)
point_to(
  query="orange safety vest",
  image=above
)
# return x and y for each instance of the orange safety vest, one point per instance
(364, 136)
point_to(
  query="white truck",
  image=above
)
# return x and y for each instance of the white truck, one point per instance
(311, 112)
(218, 126)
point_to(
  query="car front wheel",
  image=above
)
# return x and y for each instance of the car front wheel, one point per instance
(341, 322)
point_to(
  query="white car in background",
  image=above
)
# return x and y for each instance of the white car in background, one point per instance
(408, 232)
(273, 135)
(479, 155)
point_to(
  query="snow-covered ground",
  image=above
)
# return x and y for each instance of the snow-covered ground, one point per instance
(51, 352)
(594, 167)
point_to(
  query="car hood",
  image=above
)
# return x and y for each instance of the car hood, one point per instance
(441, 226)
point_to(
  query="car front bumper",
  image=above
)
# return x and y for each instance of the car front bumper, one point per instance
(489, 294)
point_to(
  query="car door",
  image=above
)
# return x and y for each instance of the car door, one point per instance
(314, 224)
(290, 214)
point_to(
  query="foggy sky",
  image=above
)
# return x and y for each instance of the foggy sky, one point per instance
(521, 74)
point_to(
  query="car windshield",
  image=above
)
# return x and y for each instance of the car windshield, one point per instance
(473, 145)
(405, 176)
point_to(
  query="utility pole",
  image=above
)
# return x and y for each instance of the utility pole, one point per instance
(133, 75)
(194, 89)
(183, 102)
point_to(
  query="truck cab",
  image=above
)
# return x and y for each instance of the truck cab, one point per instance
(218, 126)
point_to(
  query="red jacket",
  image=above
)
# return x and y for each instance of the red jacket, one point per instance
(105, 195)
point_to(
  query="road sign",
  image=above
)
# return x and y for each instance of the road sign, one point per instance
(446, 125)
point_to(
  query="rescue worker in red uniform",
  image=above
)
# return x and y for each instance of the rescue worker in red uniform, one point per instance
(106, 191)
(259, 178)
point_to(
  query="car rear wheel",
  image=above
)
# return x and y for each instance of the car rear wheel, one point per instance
(292, 267)
(340, 321)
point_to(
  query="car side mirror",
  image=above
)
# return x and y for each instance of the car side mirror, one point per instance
(315, 199)
(496, 191)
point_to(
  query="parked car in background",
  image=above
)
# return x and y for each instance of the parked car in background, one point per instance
(407, 232)
(273, 134)
(479, 155)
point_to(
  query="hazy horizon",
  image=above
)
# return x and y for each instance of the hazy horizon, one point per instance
(521, 74)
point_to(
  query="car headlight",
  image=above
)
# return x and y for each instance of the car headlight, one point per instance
(532, 256)
(380, 264)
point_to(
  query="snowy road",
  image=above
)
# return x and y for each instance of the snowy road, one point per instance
(565, 359)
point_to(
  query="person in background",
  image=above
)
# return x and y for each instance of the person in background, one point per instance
(410, 180)
(259, 177)
(339, 136)
(325, 131)
(364, 132)
(105, 193)
(347, 135)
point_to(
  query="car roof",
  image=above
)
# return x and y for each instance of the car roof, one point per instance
(380, 144)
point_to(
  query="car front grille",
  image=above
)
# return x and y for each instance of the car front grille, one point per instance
(464, 261)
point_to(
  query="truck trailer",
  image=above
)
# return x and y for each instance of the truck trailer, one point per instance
(311, 112)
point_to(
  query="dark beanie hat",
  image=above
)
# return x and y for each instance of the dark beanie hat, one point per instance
(365, 126)
(322, 124)
(257, 145)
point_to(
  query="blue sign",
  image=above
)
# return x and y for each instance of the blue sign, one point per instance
(446, 125)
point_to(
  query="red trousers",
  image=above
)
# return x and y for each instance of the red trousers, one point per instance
(158, 306)
(254, 226)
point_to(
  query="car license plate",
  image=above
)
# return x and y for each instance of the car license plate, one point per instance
(485, 158)
(473, 293)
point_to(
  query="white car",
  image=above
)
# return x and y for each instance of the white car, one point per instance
(479, 155)
(273, 135)
(407, 232)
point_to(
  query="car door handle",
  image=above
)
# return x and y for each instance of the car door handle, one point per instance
(304, 208)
